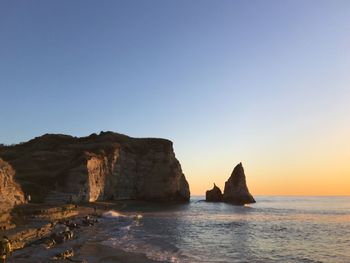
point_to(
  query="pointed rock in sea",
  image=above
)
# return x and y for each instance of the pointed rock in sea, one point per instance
(236, 190)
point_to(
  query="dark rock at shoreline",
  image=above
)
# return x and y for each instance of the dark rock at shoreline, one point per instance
(214, 195)
(57, 168)
(236, 190)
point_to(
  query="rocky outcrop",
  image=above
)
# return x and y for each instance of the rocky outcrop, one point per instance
(214, 195)
(10, 192)
(108, 166)
(236, 190)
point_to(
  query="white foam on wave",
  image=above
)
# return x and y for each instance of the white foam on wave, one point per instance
(112, 214)
(127, 228)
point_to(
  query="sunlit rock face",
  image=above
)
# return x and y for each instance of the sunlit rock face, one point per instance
(214, 195)
(10, 192)
(108, 166)
(236, 190)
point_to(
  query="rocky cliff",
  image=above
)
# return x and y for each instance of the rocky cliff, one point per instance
(236, 190)
(10, 192)
(108, 166)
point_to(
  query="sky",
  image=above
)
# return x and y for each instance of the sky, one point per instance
(265, 83)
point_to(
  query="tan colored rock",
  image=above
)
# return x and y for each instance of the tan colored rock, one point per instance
(10, 192)
(108, 166)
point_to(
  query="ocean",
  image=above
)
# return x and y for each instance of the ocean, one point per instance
(275, 229)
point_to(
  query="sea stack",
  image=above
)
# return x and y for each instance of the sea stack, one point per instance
(214, 195)
(57, 168)
(236, 190)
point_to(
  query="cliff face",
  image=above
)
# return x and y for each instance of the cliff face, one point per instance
(236, 190)
(109, 166)
(10, 192)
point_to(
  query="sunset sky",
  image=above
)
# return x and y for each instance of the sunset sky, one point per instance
(265, 83)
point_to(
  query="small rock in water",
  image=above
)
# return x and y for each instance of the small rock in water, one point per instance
(213, 195)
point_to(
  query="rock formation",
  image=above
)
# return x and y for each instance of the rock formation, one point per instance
(108, 166)
(236, 190)
(10, 192)
(214, 195)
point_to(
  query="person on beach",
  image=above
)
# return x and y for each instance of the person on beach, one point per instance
(5, 248)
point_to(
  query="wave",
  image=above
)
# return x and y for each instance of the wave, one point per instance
(115, 214)
(112, 214)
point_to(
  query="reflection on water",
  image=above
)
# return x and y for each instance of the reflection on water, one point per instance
(276, 229)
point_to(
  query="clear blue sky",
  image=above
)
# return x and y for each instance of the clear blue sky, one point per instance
(227, 81)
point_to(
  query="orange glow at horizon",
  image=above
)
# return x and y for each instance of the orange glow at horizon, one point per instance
(322, 167)
(327, 182)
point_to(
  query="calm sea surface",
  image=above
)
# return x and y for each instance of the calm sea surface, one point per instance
(275, 229)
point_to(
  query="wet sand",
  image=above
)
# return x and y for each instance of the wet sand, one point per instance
(91, 252)
(98, 253)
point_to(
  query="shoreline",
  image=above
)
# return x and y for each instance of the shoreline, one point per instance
(31, 238)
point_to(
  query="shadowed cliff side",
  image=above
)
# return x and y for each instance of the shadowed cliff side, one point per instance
(58, 168)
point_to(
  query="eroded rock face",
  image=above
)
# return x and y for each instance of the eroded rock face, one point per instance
(10, 192)
(236, 190)
(108, 166)
(214, 195)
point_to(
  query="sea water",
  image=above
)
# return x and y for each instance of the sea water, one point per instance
(275, 229)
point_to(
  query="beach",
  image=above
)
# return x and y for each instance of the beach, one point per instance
(275, 229)
(30, 238)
